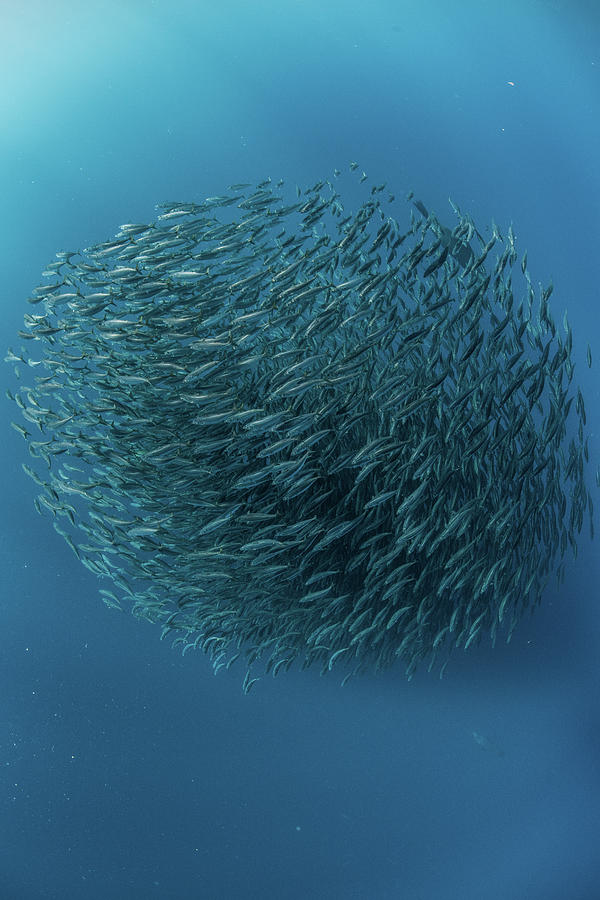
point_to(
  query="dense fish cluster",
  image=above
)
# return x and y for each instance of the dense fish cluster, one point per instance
(286, 431)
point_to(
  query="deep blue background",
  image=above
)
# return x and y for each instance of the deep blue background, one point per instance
(130, 772)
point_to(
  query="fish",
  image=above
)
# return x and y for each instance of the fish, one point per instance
(460, 250)
(354, 435)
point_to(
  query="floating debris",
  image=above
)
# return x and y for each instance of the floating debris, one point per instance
(486, 744)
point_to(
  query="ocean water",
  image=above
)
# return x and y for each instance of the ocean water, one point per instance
(130, 772)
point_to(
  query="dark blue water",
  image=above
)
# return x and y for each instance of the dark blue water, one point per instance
(129, 772)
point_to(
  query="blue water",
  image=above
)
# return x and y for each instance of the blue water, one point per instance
(129, 772)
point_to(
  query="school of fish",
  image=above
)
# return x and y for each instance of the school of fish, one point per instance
(288, 432)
